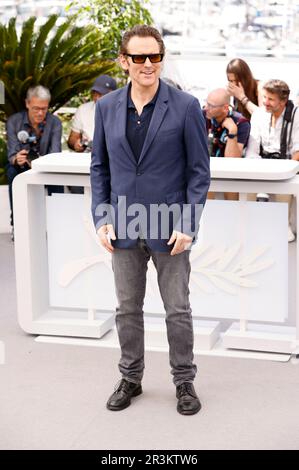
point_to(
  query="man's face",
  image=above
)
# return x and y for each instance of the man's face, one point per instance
(272, 102)
(215, 108)
(95, 95)
(37, 110)
(147, 74)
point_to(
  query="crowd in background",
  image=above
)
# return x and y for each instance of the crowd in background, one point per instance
(248, 119)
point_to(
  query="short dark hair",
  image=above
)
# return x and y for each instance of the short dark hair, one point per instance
(144, 31)
(277, 87)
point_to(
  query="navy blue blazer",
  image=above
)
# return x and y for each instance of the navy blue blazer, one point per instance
(174, 165)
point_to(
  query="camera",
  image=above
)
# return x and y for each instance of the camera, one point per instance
(223, 136)
(87, 145)
(271, 155)
(33, 152)
(29, 143)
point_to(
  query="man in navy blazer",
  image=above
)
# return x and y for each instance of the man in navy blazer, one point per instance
(150, 156)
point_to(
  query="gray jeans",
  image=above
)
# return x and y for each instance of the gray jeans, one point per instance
(130, 267)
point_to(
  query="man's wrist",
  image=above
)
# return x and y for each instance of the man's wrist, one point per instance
(100, 227)
(231, 135)
(232, 130)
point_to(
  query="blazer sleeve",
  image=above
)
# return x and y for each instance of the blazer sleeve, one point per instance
(55, 136)
(100, 174)
(198, 165)
(13, 144)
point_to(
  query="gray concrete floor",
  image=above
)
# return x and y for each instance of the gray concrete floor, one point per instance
(53, 396)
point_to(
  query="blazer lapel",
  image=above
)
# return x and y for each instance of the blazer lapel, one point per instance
(157, 118)
(121, 122)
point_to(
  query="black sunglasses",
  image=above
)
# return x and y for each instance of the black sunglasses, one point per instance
(141, 58)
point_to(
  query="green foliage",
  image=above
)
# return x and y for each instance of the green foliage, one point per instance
(112, 18)
(64, 58)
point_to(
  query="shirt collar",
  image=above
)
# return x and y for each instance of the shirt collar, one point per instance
(150, 103)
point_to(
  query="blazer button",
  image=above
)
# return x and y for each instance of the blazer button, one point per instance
(139, 173)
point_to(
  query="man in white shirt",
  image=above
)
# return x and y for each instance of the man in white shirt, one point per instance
(268, 123)
(275, 130)
(83, 122)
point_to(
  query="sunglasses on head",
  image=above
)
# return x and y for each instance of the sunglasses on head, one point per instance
(141, 58)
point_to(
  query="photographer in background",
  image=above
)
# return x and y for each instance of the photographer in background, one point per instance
(80, 138)
(228, 131)
(31, 133)
(275, 131)
(275, 127)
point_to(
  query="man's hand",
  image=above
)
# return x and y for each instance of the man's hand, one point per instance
(230, 125)
(181, 242)
(295, 156)
(236, 90)
(74, 141)
(21, 158)
(77, 146)
(105, 234)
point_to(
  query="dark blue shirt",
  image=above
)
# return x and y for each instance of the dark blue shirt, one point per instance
(217, 135)
(137, 126)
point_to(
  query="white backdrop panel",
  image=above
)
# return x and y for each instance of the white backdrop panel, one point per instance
(239, 265)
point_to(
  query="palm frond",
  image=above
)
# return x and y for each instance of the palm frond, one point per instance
(64, 58)
(26, 45)
(40, 43)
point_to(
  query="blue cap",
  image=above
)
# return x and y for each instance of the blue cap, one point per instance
(104, 84)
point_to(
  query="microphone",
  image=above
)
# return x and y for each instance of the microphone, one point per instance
(25, 138)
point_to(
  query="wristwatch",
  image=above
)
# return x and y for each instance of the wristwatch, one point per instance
(231, 136)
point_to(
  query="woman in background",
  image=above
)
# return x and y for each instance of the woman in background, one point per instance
(243, 87)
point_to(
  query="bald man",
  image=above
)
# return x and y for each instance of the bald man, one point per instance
(228, 130)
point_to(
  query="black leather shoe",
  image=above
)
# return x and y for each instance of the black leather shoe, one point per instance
(188, 401)
(121, 398)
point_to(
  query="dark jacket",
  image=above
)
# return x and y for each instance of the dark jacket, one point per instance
(50, 141)
(173, 166)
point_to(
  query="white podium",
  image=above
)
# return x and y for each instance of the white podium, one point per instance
(239, 266)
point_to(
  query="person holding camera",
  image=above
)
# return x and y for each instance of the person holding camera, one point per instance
(228, 131)
(82, 129)
(275, 131)
(275, 127)
(31, 133)
(80, 138)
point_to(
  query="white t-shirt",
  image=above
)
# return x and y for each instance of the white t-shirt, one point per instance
(262, 132)
(83, 121)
